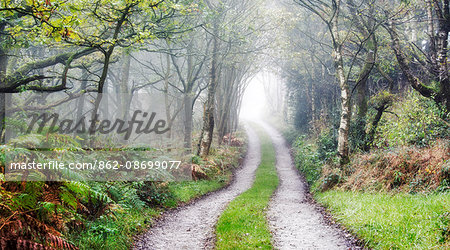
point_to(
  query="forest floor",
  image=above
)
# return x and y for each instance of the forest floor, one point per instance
(294, 220)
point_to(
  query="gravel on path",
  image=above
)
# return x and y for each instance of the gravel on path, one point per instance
(295, 222)
(192, 226)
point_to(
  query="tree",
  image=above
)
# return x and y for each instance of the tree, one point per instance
(78, 29)
(330, 13)
(434, 82)
(351, 26)
(232, 30)
(230, 91)
(206, 135)
(189, 62)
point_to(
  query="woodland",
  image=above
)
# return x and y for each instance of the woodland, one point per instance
(148, 95)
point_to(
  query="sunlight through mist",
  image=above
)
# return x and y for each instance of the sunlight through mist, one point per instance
(254, 100)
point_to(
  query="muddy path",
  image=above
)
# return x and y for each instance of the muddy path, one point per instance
(192, 226)
(295, 222)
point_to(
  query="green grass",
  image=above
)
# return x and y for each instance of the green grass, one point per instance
(243, 224)
(186, 191)
(113, 232)
(388, 221)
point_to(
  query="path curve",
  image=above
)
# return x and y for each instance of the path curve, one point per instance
(296, 223)
(192, 226)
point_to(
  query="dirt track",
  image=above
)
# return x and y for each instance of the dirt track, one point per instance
(295, 222)
(192, 226)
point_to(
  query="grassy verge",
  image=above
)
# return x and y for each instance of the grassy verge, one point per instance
(387, 221)
(243, 224)
(113, 232)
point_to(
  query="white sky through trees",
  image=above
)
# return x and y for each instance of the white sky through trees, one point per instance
(255, 103)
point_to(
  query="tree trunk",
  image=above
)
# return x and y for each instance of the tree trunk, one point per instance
(187, 99)
(101, 85)
(166, 96)
(443, 96)
(208, 116)
(361, 84)
(373, 129)
(2, 117)
(344, 125)
(3, 67)
(124, 88)
(313, 91)
(107, 54)
(361, 100)
(225, 100)
(81, 100)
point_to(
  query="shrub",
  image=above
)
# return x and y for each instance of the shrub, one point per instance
(410, 169)
(329, 181)
(291, 135)
(327, 144)
(307, 159)
(357, 134)
(414, 120)
(156, 194)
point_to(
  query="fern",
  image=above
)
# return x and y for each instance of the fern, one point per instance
(100, 196)
(71, 175)
(68, 198)
(28, 141)
(79, 188)
(24, 201)
(54, 140)
(23, 231)
(86, 192)
(125, 194)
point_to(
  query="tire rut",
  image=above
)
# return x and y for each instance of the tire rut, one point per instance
(192, 226)
(295, 222)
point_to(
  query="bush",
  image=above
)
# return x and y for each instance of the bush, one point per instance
(327, 144)
(307, 159)
(156, 194)
(357, 134)
(414, 120)
(410, 169)
(291, 135)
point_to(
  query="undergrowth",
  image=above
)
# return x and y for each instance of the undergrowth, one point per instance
(98, 215)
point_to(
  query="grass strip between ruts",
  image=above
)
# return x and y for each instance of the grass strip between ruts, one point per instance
(243, 224)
